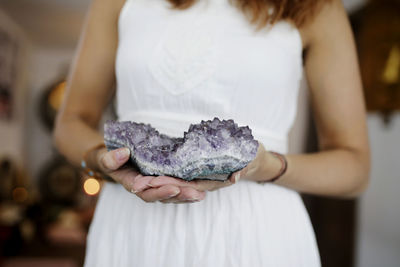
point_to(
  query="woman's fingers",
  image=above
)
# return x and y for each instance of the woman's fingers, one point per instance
(159, 193)
(199, 185)
(212, 185)
(112, 160)
(186, 195)
(139, 183)
(171, 191)
(235, 177)
(168, 189)
(132, 180)
(190, 194)
(164, 180)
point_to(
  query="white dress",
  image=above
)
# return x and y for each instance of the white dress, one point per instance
(175, 68)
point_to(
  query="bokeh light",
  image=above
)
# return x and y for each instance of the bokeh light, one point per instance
(91, 186)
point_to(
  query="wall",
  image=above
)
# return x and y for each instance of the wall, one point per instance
(379, 209)
(12, 138)
(49, 66)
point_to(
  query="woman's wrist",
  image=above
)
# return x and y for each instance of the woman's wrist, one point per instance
(271, 166)
(283, 166)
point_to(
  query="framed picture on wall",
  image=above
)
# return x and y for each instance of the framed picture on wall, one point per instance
(8, 69)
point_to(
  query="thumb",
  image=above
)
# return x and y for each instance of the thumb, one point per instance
(235, 177)
(114, 159)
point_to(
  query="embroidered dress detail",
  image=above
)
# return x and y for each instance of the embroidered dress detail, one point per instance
(186, 57)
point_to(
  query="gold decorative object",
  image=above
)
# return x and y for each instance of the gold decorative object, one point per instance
(377, 31)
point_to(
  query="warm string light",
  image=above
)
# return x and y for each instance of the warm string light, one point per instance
(91, 186)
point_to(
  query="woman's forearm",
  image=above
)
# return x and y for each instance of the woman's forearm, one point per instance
(336, 172)
(73, 136)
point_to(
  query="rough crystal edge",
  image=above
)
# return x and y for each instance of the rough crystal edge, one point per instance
(112, 144)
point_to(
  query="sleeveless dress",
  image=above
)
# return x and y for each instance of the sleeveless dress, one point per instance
(175, 68)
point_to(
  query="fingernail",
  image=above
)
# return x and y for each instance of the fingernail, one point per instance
(174, 194)
(150, 185)
(140, 189)
(134, 191)
(108, 161)
(122, 154)
(237, 177)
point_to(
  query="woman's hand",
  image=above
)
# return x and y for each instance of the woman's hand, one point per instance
(194, 190)
(263, 168)
(254, 171)
(111, 163)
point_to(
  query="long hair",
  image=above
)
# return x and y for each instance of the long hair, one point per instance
(263, 12)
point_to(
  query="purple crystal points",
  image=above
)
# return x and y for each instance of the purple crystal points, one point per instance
(209, 150)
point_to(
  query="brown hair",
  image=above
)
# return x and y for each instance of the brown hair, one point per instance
(263, 12)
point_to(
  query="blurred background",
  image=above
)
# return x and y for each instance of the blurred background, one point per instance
(46, 204)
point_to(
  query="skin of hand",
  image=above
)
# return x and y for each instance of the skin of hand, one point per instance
(264, 163)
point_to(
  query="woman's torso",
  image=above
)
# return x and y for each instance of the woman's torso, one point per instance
(204, 62)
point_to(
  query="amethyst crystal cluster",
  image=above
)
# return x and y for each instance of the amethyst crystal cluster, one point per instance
(210, 150)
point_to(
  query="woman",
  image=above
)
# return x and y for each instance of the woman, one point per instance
(204, 59)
